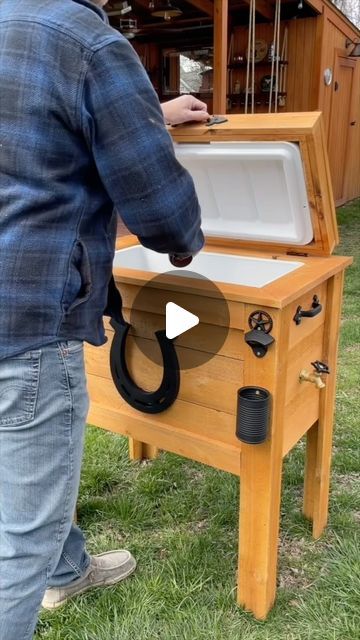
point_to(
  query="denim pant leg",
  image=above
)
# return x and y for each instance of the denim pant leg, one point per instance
(43, 408)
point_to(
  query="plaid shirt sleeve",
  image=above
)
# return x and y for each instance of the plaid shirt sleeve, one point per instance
(123, 124)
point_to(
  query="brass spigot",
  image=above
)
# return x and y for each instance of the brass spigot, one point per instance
(314, 377)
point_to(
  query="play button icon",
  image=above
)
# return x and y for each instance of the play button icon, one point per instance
(178, 320)
(187, 309)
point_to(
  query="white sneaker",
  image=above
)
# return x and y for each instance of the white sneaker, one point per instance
(104, 569)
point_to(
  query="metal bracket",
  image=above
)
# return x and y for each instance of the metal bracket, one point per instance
(215, 120)
(259, 341)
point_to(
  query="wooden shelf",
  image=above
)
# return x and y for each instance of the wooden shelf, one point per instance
(242, 65)
(258, 96)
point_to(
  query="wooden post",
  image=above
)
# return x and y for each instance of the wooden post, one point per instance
(319, 437)
(220, 55)
(141, 450)
(260, 481)
(260, 491)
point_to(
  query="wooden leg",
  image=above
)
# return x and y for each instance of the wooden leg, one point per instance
(319, 438)
(141, 450)
(260, 480)
(317, 474)
(310, 471)
(260, 489)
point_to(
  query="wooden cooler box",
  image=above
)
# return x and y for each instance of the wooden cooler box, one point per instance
(269, 218)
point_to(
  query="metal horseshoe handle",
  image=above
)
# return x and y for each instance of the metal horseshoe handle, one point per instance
(145, 401)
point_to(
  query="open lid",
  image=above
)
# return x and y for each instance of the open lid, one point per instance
(263, 182)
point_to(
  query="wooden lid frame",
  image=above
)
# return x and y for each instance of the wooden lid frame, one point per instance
(305, 129)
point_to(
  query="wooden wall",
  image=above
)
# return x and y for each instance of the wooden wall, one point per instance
(237, 75)
(303, 71)
(150, 56)
(340, 104)
(314, 44)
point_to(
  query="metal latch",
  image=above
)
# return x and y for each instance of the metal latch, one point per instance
(216, 120)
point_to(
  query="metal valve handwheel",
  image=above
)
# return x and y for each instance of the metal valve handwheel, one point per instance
(261, 321)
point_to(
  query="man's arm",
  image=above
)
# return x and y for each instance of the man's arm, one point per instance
(124, 126)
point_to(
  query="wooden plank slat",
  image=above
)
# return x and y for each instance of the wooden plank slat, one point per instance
(184, 443)
(206, 339)
(233, 347)
(300, 357)
(194, 421)
(154, 300)
(258, 124)
(213, 384)
(299, 416)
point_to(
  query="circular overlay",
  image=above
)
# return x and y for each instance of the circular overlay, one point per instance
(190, 293)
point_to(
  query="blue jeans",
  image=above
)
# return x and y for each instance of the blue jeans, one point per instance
(43, 409)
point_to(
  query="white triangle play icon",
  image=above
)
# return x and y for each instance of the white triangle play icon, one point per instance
(178, 320)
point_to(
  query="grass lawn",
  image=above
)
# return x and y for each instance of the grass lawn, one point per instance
(179, 518)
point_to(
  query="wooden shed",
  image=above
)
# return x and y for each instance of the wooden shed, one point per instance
(304, 61)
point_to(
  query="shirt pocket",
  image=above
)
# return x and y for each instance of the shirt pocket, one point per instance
(78, 283)
(19, 383)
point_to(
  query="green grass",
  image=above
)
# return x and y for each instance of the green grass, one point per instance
(179, 518)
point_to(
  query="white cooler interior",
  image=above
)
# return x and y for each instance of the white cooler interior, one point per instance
(218, 267)
(250, 190)
(247, 190)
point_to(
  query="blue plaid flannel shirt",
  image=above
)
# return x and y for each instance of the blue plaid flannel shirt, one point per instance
(81, 131)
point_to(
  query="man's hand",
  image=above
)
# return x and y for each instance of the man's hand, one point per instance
(186, 108)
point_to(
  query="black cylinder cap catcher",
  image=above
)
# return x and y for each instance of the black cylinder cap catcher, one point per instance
(253, 414)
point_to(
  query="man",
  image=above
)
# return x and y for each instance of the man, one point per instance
(81, 131)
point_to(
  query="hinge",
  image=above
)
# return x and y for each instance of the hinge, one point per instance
(297, 253)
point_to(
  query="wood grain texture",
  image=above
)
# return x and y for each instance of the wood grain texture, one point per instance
(302, 398)
(220, 55)
(186, 443)
(306, 129)
(198, 423)
(318, 460)
(260, 485)
(213, 384)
